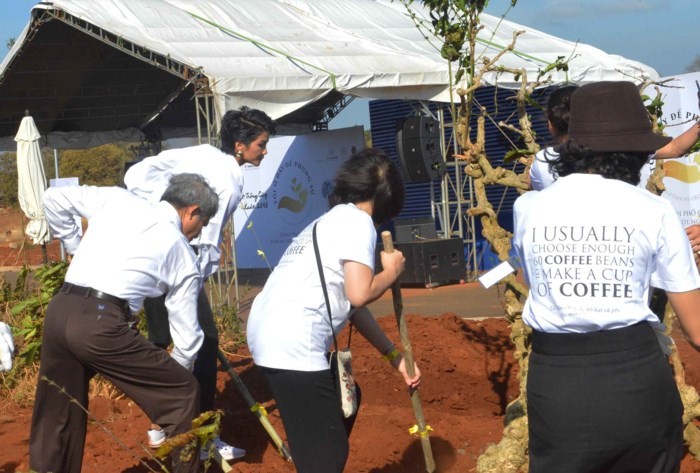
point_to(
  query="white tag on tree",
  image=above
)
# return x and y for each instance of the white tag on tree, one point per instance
(496, 274)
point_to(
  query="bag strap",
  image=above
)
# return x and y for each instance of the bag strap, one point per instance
(325, 291)
(323, 285)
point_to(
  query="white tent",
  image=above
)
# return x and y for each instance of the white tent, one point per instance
(280, 55)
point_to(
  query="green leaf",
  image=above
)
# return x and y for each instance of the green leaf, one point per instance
(30, 335)
(16, 309)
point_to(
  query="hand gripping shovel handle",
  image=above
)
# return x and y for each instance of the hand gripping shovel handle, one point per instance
(260, 413)
(408, 359)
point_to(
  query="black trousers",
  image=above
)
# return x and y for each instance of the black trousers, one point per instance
(205, 366)
(603, 402)
(85, 336)
(316, 430)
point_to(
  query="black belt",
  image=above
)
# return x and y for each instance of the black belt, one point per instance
(588, 343)
(90, 293)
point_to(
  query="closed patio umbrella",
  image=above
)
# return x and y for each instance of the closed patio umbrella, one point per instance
(31, 181)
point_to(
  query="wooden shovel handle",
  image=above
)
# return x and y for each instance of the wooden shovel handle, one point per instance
(408, 360)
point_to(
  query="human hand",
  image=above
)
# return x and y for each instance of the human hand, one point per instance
(693, 233)
(6, 347)
(412, 382)
(394, 262)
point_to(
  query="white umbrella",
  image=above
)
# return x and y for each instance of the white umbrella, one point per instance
(31, 180)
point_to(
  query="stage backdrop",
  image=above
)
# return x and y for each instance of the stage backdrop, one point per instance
(681, 110)
(288, 191)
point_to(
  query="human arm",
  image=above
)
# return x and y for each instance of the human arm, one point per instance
(187, 335)
(63, 204)
(362, 286)
(686, 305)
(693, 233)
(680, 145)
(209, 241)
(368, 328)
(6, 347)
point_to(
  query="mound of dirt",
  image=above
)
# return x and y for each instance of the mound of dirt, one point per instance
(469, 377)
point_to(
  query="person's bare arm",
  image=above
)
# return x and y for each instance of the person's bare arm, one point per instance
(368, 328)
(693, 233)
(686, 305)
(680, 145)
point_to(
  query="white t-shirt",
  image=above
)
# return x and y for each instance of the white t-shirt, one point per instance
(589, 246)
(541, 177)
(288, 326)
(150, 177)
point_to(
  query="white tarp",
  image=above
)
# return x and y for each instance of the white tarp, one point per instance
(31, 180)
(681, 110)
(278, 55)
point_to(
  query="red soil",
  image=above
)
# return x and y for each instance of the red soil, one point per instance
(469, 377)
(29, 255)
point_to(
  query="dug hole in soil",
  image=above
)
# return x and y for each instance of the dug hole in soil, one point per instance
(469, 375)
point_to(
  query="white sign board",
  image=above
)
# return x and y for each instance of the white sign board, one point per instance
(64, 181)
(288, 191)
(681, 110)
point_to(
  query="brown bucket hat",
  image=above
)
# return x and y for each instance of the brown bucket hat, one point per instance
(610, 116)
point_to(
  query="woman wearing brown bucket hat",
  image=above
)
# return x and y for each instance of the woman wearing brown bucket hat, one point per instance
(601, 395)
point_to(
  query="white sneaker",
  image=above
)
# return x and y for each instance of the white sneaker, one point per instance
(227, 452)
(156, 438)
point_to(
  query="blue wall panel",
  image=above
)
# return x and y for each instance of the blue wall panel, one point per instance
(385, 115)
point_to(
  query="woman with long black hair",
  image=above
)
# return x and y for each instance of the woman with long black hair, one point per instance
(601, 395)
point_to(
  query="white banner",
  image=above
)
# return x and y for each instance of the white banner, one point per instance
(288, 191)
(681, 97)
(682, 181)
(681, 110)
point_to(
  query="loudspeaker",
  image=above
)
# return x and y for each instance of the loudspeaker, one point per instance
(418, 140)
(430, 263)
(411, 229)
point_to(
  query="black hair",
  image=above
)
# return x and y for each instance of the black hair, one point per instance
(558, 108)
(369, 175)
(244, 126)
(191, 189)
(623, 166)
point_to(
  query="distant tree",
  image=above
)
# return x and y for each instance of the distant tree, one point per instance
(694, 66)
(10, 42)
(100, 166)
(8, 180)
(49, 166)
(8, 176)
(368, 138)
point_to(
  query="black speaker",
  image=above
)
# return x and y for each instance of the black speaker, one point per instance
(430, 263)
(418, 140)
(411, 229)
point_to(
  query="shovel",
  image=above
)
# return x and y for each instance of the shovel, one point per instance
(258, 410)
(408, 359)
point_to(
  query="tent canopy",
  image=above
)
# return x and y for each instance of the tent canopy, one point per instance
(119, 65)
